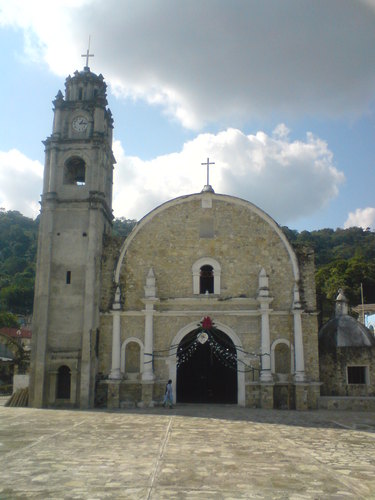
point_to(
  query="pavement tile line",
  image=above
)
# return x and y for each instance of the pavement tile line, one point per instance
(163, 445)
(364, 428)
(347, 483)
(350, 427)
(40, 440)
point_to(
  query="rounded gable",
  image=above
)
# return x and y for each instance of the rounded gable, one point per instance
(181, 232)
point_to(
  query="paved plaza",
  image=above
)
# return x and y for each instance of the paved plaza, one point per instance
(189, 452)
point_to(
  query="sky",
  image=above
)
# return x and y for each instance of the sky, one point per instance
(279, 95)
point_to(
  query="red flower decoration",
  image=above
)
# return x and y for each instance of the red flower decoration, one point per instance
(207, 323)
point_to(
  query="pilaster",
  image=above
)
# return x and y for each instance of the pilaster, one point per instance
(301, 394)
(265, 300)
(116, 337)
(113, 397)
(298, 338)
(147, 394)
(266, 396)
(149, 301)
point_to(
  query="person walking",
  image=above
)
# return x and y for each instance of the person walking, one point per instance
(168, 397)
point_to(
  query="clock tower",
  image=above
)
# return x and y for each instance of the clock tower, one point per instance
(76, 214)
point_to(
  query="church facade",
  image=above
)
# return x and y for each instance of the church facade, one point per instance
(205, 291)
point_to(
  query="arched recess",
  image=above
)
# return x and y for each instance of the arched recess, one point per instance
(123, 355)
(289, 368)
(172, 360)
(196, 270)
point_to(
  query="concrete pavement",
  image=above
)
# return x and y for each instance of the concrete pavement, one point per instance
(190, 452)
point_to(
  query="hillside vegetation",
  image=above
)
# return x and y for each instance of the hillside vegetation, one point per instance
(344, 258)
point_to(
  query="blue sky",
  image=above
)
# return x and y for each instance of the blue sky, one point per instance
(280, 95)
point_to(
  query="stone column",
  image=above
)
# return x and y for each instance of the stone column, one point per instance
(149, 301)
(265, 300)
(149, 341)
(116, 338)
(298, 338)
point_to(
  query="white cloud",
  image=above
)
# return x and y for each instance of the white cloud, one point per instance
(214, 60)
(20, 183)
(288, 179)
(362, 217)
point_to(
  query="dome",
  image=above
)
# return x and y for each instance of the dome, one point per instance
(344, 331)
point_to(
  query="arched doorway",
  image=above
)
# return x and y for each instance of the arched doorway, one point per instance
(207, 372)
(63, 383)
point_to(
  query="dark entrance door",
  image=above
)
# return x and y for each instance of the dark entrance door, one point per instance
(63, 383)
(206, 376)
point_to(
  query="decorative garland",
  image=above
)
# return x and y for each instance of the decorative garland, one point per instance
(220, 347)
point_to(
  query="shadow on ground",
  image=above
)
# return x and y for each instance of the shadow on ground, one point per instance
(331, 419)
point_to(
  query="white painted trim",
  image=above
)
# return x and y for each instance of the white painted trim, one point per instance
(172, 360)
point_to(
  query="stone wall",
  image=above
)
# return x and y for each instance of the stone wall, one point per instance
(111, 250)
(347, 403)
(243, 243)
(333, 371)
(244, 240)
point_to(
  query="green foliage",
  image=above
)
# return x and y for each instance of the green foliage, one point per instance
(18, 244)
(344, 258)
(21, 355)
(123, 226)
(330, 245)
(8, 319)
(18, 298)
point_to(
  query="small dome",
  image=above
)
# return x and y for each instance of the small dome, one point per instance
(344, 331)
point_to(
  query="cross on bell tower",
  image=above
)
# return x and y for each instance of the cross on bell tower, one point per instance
(87, 55)
(208, 187)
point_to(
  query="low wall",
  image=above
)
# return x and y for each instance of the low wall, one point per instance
(20, 382)
(346, 403)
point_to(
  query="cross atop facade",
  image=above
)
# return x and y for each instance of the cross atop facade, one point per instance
(87, 55)
(208, 163)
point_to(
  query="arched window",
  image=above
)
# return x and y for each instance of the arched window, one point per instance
(63, 383)
(75, 171)
(206, 281)
(206, 276)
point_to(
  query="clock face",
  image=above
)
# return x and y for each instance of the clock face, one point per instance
(80, 123)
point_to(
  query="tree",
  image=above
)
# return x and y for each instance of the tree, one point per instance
(123, 226)
(8, 320)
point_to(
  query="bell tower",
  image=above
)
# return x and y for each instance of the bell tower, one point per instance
(76, 214)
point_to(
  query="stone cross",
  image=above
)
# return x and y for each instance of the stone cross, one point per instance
(87, 55)
(208, 163)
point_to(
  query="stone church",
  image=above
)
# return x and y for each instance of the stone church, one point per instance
(205, 291)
